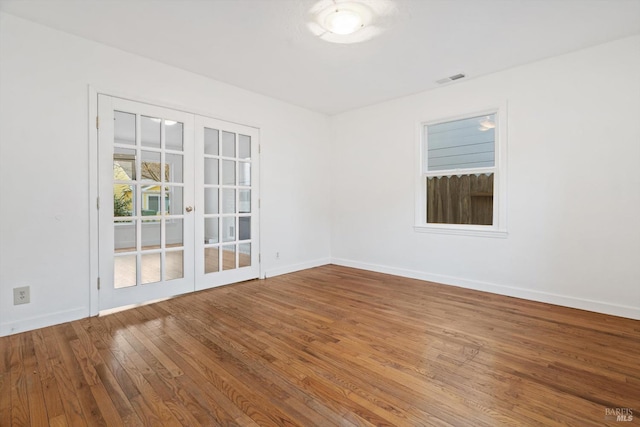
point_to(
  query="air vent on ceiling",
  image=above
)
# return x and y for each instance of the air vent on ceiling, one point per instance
(450, 78)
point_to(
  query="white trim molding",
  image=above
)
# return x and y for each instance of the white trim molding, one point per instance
(461, 230)
(511, 291)
(295, 267)
(36, 322)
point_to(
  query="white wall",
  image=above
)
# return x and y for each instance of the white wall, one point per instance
(44, 164)
(573, 184)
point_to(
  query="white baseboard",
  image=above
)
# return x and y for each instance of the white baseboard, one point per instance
(28, 324)
(36, 322)
(295, 267)
(546, 297)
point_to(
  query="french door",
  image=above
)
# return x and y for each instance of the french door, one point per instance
(178, 197)
(226, 229)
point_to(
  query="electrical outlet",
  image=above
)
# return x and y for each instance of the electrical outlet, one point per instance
(21, 295)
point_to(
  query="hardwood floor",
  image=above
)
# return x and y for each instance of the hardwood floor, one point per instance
(322, 347)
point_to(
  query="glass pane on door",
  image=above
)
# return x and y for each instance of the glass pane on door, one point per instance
(124, 131)
(211, 230)
(244, 147)
(150, 130)
(228, 144)
(211, 141)
(175, 265)
(211, 260)
(148, 199)
(151, 268)
(174, 168)
(227, 200)
(244, 254)
(174, 139)
(228, 257)
(125, 271)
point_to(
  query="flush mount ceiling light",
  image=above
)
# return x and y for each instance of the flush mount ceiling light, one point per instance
(487, 123)
(344, 21)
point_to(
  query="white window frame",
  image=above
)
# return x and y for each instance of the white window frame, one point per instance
(499, 227)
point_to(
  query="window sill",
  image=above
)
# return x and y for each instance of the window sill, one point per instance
(461, 230)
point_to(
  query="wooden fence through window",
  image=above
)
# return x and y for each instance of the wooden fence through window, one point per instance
(465, 199)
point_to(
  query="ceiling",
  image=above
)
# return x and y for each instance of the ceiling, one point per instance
(265, 45)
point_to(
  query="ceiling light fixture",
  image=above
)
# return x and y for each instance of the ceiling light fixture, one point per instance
(487, 123)
(343, 21)
(350, 21)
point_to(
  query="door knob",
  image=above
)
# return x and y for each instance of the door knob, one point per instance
(188, 209)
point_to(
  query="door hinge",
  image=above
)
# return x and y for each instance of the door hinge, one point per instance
(259, 203)
(97, 202)
(97, 122)
(259, 257)
(98, 283)
(259, 148)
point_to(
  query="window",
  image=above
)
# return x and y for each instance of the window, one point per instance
(153, 203)
(461, 186)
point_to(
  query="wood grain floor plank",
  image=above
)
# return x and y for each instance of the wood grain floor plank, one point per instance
(149, 405)
(66, 339)
(112, 374)
(63, 382)
(236, 349)
(59, 421)
(328, 346)
(5, 381)
(305, 343)
(222, 410)
(230, 398)
(37, 407)
(179, 401)
(302, 344)
(42, 339)
(267, 399)
(19, 392)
